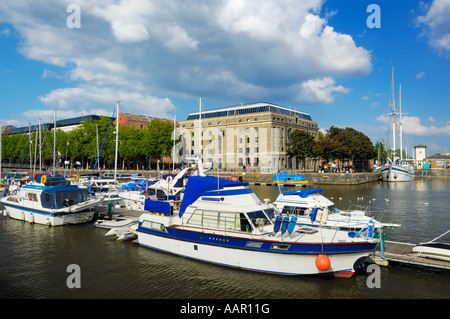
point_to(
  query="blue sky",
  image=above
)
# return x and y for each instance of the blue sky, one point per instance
(158, 57)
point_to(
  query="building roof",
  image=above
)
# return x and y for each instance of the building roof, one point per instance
(438, 157)
(420, 145)
(137, 118)
(60, 123)
(248, 108)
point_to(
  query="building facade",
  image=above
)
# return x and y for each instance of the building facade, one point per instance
(419, 154)
(438, 161)
(249, 137)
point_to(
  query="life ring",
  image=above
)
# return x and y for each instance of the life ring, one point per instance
(44, 179)
(76, 177)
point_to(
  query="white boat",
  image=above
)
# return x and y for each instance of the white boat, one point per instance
(119, 226)
(51, 200)
(399, 172)
(223, 222)
(397, 169)
(433, 249)
(169, 188)
(309, 205)
(439, 251)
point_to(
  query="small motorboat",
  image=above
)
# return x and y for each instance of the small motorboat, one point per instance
(289, 179)
(302, 203)
(433, 249)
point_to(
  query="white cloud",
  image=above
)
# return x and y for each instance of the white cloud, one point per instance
(141, 50)
(420, 75)
(320, 90)
(436, 25)
(128, 19)
(87, 98)
(412, 125)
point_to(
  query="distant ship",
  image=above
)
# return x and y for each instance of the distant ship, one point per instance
(397, 169)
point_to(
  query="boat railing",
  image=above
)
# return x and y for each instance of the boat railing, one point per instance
(369, 211)
(221, 225)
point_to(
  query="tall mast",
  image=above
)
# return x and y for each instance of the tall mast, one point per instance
(393, 113)
(1, 133)
(54, 141)
(200, 128)
(117, 140)
(40, 148)
(400, 124)
(174, 136)
(30, 138)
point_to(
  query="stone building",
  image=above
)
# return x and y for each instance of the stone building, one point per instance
(248, 137)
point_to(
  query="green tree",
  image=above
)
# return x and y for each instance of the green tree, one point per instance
(300, 145)
(345, 144)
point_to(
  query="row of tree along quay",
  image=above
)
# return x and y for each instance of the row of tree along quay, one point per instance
(344, 145)
(137, 148)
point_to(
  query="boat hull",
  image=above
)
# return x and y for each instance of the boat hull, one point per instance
(396, 173)
(233, 252)
(51, 218)
(433, 250)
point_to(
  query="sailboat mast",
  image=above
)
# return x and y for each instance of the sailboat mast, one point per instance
(400, 124)
(117, 140)
(200, 129)
(54, 141)
(1, 133)
(30, 138)
(174, 136)
(393, 113)
(40, 148)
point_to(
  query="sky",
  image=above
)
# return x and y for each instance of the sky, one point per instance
(332, 59)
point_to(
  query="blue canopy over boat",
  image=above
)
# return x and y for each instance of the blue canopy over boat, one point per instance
(198, 185)
(305, 192)
(52, 180)
(157, 207)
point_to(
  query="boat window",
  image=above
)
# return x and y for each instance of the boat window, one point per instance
(253, 244)
(229, 221)
(13, 199)
(154, 226)
(244, 223)
(280, 246)
(32, 197)
(210, 218)
(270, 213)
(253, 216)
(196, 218)
(294, 210)
(59, 199)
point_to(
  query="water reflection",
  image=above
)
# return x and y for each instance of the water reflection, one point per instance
(34, 258)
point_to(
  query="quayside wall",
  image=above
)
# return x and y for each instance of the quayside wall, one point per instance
(319, 178)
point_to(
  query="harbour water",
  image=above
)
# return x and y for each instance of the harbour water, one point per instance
(34, 259)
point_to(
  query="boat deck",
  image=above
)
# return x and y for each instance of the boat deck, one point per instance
(402, 253)
(120, 211)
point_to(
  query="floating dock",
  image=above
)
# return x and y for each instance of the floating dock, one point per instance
(402, 253)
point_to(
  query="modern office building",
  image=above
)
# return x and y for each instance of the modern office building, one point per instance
(250, 136)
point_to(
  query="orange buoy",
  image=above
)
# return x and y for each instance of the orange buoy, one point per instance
(323, 262)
